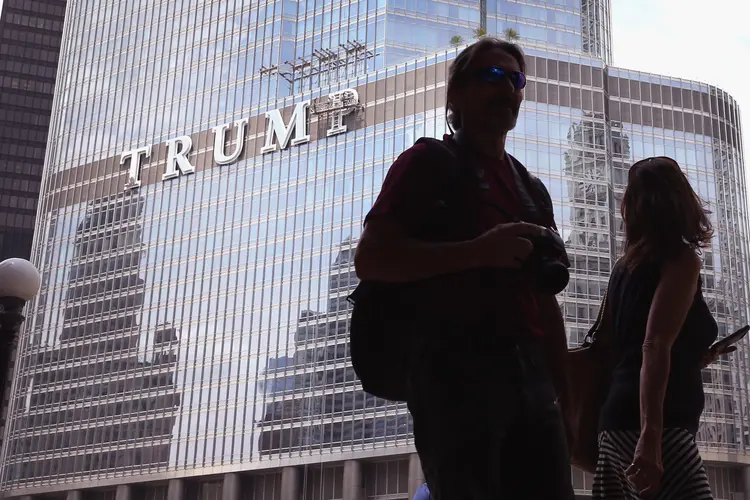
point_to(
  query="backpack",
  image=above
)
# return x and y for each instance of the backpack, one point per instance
(387, 318)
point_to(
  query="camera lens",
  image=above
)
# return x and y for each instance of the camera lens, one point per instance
(551, 277)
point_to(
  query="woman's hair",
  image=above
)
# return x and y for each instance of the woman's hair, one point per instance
(662, 213)
(460, 66)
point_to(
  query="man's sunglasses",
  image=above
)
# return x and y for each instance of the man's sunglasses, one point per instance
(493, 74)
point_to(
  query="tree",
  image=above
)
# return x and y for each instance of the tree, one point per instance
(457, 40)
(511, 35)
(480, 33)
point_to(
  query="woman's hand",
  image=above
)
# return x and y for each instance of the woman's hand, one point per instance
(714, 354)
(646, 470)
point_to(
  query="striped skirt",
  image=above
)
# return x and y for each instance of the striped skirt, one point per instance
(684, 475)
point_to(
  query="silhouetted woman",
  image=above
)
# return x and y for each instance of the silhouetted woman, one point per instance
(662, 329)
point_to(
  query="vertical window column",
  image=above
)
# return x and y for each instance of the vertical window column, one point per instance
(232, 489)
(416, 476)
(291, 483)
(354, 481)
(124, 492)
(175, 491)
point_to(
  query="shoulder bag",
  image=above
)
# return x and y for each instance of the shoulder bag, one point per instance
(590, 370)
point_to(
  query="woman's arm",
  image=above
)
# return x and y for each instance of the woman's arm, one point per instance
(672, 300)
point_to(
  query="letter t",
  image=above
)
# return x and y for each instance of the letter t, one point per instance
(134, 169)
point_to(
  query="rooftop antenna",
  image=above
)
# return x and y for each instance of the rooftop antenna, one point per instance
(323, 67)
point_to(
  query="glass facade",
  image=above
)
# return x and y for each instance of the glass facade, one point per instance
(417, 27)
(192, 318)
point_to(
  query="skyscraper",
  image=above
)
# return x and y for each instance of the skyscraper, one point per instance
(254, 140)
(30, 35)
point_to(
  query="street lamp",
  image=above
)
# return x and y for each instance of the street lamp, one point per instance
(19, 283)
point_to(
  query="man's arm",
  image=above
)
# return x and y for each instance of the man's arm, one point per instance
(556, 354)
(385, 253)
(556, 340)
(555, 345)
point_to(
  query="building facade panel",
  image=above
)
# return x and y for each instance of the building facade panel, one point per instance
(193, 316)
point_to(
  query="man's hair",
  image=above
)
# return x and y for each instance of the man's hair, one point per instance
(460, 67)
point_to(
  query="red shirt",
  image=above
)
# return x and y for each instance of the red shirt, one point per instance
(406, 195)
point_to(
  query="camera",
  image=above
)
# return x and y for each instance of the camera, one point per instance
(548, 262)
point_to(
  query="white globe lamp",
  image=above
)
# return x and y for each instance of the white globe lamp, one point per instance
(19, 278)
(19, 283)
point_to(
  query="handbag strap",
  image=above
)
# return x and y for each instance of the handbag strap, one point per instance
(589, 338)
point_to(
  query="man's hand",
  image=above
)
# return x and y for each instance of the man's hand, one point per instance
(714, 354)
(505, 246)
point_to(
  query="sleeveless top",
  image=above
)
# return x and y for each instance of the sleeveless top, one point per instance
(630, 296)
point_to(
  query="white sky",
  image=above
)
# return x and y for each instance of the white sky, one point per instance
(707, 41)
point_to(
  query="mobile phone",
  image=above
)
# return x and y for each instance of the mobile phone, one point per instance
(722, 344)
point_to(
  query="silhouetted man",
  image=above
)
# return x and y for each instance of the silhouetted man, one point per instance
(487, 374)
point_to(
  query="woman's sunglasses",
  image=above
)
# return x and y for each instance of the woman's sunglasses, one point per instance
(646, 161)
(494, 74)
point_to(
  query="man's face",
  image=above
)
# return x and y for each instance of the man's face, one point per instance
(492, 105)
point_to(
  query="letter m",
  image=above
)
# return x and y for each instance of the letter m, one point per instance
(276, 128)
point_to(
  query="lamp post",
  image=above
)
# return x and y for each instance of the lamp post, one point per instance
(19, 283)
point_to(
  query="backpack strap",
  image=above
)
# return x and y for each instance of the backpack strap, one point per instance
(440, 151)
(453, 178)
(436, 145)
(536, 201)
(453, 199)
